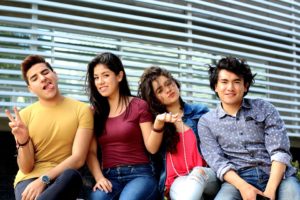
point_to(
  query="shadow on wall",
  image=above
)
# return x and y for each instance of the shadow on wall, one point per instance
(8, 166)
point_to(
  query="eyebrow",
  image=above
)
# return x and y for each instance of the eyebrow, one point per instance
(32, 77)
(159, 85)
(158, 88)
(225, 79)
(164, 84)
(104, 72)
(35, 75)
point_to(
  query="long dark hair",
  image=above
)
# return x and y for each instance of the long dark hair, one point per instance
(100, 103)
(146, 92)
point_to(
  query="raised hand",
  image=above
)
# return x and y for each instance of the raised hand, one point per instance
(165, 117)
(168, 117)
(18, 128)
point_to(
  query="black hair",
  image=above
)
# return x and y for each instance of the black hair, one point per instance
(234, 65)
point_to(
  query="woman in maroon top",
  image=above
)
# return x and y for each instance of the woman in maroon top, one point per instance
(123, 132)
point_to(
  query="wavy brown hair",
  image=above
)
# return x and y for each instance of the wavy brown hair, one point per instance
(146, 92)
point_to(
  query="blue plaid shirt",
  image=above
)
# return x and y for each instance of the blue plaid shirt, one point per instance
(255, 137)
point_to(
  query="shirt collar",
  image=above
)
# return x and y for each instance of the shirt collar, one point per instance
(221, 113)
(187, 109)
(246, 103)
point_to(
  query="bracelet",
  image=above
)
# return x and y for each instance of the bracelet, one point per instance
(22, 145)
(158, 130)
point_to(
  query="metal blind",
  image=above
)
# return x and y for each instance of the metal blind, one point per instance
(183, 36)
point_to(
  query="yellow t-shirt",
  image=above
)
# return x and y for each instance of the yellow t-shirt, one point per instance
(52, 131)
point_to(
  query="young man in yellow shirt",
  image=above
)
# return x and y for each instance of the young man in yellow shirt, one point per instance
(52, 137)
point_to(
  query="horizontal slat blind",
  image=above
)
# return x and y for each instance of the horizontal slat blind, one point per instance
(182, 36)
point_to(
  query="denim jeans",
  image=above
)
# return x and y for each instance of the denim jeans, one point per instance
(194, 185)
(134, 182)
(66, 186)
(288, 189)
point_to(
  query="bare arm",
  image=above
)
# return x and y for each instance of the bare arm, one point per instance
(102, 183)
(93, 162)
(152, 138)
(79, 152)
(25, 158)
(75, 160)
(276, 174)
(247, 191)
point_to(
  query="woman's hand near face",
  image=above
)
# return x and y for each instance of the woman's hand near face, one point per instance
(165, 117)
(168, 117)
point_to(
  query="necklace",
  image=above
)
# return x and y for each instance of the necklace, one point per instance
(184, 154)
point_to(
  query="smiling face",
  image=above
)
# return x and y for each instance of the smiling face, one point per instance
(230, 89)
(106, 81)
(43, 82)
(166, 90)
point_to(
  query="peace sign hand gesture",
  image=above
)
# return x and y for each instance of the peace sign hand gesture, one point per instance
(18, 128)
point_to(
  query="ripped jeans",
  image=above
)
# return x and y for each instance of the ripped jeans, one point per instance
(194, 185)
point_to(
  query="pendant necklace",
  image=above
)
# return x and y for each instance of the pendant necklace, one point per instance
(184, 154)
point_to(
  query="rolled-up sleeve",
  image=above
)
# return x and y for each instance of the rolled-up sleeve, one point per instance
(276, 139)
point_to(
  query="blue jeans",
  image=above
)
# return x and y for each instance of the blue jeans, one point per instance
(134, 182)
(194, 185)
(288, 189)
(66, 186)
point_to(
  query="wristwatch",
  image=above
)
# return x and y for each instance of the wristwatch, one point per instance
(46, 179)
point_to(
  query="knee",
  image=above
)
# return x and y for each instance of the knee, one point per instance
(144, 182)
(200, 174)
(290, 187)
(228, 192)
(96, 195)
(199, 170)
(140, 188)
